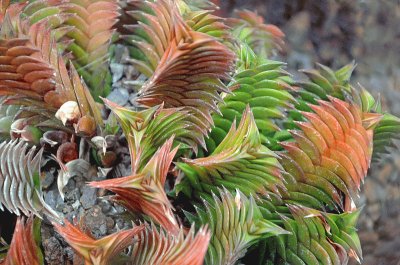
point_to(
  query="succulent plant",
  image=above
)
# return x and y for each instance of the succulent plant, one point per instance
(239, 162)
(249, 28)
(20, 186)
(232, 160)
(35, 75)
(84, 32)
(236, 223)
(24, 247)
(144, 192)
(101, 251)
(162, 247)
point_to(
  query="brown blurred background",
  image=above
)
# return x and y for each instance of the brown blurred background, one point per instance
(336, 32)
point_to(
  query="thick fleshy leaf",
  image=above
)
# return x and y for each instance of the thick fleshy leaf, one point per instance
(386, 131)
(261, 84)
(250, 28)
(239, 162)
(314, 238)
(343, 232)
(152, 35)
(101, 251)
(187, 67)
(85, 29)
(324, 82)
(198, 5)
(144, 193)
(148, 130)
(208, 22)
(20, 189)
(330, 156)
(161, 247)
(4, 4)
(34, 75)
(31, 64)
(24, 248)
(235, 222)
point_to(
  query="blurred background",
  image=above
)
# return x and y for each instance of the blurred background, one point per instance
(334, 33)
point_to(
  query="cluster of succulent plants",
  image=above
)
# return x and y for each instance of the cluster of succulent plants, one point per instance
(232, 159)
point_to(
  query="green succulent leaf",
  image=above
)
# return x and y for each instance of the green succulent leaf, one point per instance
(147, 130)
(235, 223)
(20, 189)
(240, 161)
(261, 84)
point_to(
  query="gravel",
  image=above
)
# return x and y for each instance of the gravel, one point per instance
(54, 252)
(96, 221)
(119, 96)
(89, 197)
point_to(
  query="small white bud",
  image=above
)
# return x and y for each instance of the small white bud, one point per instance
(68, 112)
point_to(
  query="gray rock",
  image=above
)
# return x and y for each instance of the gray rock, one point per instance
(71, 192)
(96, 221)
(110, 223)
(48, 179)
(103, 229)
(119, 208)
(105, 206)
(117, 71)
(89, 196)
(53, 199)
(119, 96)
(130, 72)
(121, 224)
(120, 53)
(53, 251)
(69, 210)
(132, 99)
(69, 252)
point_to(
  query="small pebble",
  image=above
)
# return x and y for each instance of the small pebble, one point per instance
(119, 96)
